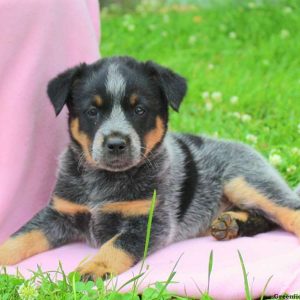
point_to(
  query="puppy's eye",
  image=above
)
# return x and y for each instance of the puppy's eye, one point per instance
(92, 112)
(139, 110)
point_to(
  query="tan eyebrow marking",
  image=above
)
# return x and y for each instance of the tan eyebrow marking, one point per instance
(133, 99)
(98, 100)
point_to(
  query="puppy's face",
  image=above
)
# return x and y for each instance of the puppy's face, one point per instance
(118, 108)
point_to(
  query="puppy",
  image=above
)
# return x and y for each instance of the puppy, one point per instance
(120, 152)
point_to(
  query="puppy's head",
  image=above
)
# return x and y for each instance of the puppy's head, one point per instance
(118, 108)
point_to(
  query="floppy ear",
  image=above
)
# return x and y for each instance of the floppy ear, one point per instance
(59, 88)
(172, 85)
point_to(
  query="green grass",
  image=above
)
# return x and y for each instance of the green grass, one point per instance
(232, 48)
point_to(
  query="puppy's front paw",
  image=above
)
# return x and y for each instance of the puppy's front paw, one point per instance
(110, 260)
(20, 247)
(94, 269)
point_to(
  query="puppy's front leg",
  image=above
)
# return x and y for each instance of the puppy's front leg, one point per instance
(122, 251)
(47, 229)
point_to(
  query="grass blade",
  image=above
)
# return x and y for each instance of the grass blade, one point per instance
(265, 287)
(210, 266)
(245, 275)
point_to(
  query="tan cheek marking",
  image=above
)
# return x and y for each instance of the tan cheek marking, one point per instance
(240, 192)
(109, 259)
(133, 99)
(98, 100)
(82, 139)
(128, 208)
(69, 208)
(155, 135)
(18, 248)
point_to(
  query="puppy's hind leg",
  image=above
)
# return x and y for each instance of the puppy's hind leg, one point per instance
(270, 197)
(236, 223)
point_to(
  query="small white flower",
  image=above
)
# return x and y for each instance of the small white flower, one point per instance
(287, 10)
(234, 99)
(152, 27)
(209, 106)
(251, 5)
(291, 169)
(295, 151)
(251, 138)
(217, 96)
(246, 118)
(130, 27)
(275, 159)
(215, 134)
(27, 291)
(192, 39)
(205, 95)
(164, 33)
(222, 27)
(232, 35)
(166, 18)
(236, 114)
(266, 62)
(210, 66)
(284, 33)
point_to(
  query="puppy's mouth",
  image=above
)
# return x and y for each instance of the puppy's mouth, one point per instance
(117, 164)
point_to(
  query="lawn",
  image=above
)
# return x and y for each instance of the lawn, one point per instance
(242, 63)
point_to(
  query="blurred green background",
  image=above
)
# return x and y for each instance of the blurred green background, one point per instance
(241, 59)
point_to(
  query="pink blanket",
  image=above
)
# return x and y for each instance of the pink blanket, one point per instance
(276, 253)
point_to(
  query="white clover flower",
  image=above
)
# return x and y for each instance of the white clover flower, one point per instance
(287, 10)
(210, 66)
(164, 33)
(291, 169)
(236, 114)
(251, 138)
(222, 27)
(152, 27)
(275, 159)
(166, 18)
(266, 62)
(192, 39)
(295, 151)
(252, 5)
(205, 95)
(284, 33)
(217, 96)
(232, 35)
(130, 27)
(209, 106)
(246, 118)
(215, 134)
(27, 291)
(234, 99)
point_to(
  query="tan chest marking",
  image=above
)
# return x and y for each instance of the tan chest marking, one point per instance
(128, 208)
(69, 208)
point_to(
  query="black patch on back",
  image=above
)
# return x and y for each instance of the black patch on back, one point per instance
(189, 184)
(196, 140)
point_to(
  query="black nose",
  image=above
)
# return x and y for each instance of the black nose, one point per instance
(115, 144)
